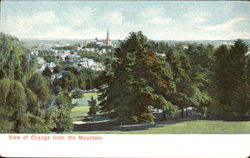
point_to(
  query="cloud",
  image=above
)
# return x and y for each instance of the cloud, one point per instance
(155, 16)
(117, 23)
(156, 22)
(240, 34)
(113, 17)
(28, 25)
(79, 16)
(196, 16)
(226, 26)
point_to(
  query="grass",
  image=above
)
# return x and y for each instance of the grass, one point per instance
(185, 127)
(78, 113)
(189, 127)
(84, 101)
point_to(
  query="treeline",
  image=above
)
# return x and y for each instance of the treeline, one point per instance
(73, 78)
(31, 102)
(147, 75)
(140, 76)
(65, 48)
(93, 55)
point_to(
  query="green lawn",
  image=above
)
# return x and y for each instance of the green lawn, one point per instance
(78, 113)
(189, 127)
(84, 101)
(186, 127)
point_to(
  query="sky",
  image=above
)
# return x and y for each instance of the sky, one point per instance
(158, 20)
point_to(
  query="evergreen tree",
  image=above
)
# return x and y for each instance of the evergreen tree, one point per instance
(136, 82)
(232, 76)
(201, 74)
(93, 107)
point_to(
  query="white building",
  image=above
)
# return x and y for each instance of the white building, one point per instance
(34, 52)
(63, 54)
(91, 64)
(85, 62)
(51, 65)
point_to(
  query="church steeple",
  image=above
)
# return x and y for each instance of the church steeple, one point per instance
(107, 37)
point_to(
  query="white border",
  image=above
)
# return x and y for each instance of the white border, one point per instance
(131, 145)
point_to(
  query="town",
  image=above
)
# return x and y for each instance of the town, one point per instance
(74, 54)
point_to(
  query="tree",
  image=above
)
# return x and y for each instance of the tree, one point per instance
(15, 60)
(40, 86)
(135, 82)
(7, 125)
(47, 72)
(68, 81)
(239, 78)
(231, 80)
(93, 107)
(57, 69)
(26, 100)
(61, 116)
(2, 74)
(15, 104)
(48, 58)
(201, 75)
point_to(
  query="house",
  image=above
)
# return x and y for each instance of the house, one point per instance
(73, 58)
(89, 49)
(35, 52)
(185, 47)
(63, 54)
(85, 62)
(51, 65)
(160, 54)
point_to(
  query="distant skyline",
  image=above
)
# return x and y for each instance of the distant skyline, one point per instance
(158, 20)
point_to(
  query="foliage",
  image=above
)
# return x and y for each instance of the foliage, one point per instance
(93, 107)
(47, 72)
(62, 117)
(57, 69)
(48, 58)
(93, 55)
(65, 48)
(68, 81)
(15, 60)
(135, 81)
(20, 105)
(40, 86)
(232, 81)
(6, 124)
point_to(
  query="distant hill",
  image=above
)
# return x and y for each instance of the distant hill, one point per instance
(213, 42)
(32, 42)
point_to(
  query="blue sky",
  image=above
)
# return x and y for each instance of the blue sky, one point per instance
(158, 20)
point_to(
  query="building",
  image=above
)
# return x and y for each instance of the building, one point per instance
(73, 58)
(85, 62)
(108, 42)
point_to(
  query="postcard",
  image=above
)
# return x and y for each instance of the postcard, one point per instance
(125, 79)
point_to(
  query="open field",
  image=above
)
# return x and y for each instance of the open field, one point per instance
(189, 127)
(84, 101)
(185, 127)
(78, 113)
